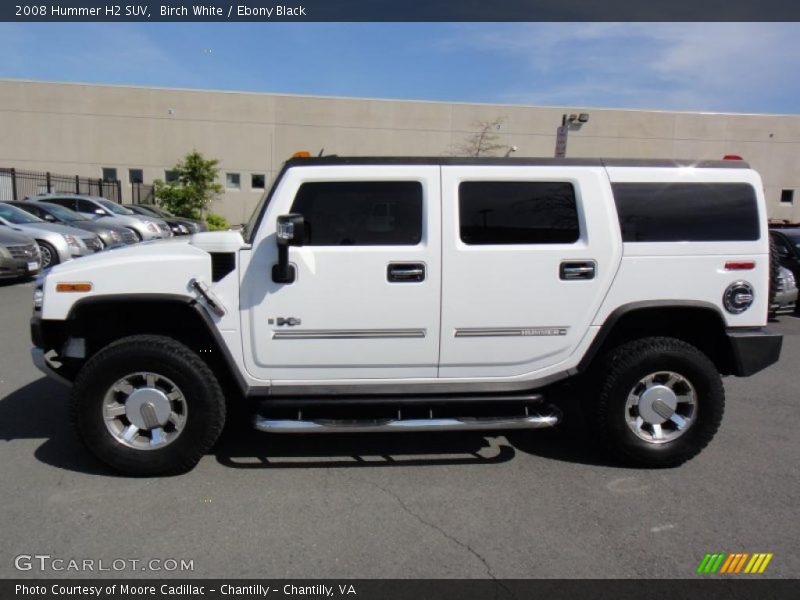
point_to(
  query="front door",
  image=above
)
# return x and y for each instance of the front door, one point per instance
(365, 303)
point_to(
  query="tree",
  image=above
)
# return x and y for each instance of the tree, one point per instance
(484, 142)
(193, 189)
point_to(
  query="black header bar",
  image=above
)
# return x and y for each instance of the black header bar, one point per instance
(400, 10)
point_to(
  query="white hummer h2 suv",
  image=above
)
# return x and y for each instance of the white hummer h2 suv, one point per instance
(406, 294)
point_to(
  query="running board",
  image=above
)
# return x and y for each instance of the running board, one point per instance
(537, 421)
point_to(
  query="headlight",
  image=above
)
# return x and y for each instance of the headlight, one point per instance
(73, 242)
(790, 280)
(38, 298)
(152, 227)
(4, 253)
(183, 229)
(115, 237)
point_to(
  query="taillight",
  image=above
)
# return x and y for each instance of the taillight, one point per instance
(740, 265)
(732, 157)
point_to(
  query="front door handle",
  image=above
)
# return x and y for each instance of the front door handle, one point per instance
(404, 272)
(579, 269)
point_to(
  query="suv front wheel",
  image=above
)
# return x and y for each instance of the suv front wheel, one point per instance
(148, 405)
(661, 402)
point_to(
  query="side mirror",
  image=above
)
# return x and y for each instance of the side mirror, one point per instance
(290, 231)
(100, 211)
(49, 218)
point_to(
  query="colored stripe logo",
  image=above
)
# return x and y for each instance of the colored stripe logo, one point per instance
(734, 563)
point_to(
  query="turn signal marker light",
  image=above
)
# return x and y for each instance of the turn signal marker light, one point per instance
(74, 287)
(302, 154)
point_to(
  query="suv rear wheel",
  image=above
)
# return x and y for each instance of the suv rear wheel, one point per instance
(148, 405)
(661, 402)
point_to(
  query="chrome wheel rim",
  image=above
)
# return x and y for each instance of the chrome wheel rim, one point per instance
(47, 257)
(661, 407)
(145, 411)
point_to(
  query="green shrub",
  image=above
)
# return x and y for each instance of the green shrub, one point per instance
(216, 222)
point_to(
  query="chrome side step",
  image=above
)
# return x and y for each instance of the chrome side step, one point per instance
(536, 421)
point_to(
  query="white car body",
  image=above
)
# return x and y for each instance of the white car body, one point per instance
(485, 317)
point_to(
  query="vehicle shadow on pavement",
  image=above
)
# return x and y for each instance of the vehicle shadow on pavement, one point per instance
(243, 448)
(40, 410)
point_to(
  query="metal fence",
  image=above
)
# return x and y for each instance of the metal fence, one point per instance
(18, 185)
(142, 193)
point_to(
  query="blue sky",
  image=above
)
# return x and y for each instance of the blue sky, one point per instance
(731, 67)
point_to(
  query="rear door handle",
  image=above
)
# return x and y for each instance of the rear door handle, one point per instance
(403, 272)
(579, 269)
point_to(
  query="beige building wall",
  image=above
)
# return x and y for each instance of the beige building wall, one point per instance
(79, 129)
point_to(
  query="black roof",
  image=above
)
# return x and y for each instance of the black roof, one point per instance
(515, 161)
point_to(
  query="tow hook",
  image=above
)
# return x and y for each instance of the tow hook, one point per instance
(211, 299)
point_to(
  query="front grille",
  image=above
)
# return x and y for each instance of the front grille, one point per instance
(93, 243)
(128, 237)
(24, 251)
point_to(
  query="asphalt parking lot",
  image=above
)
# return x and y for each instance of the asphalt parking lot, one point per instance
(538, 504)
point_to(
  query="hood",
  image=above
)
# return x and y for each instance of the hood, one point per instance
(152, 256)
(12, 237)
(121, 220)
(217, 241)
(52, 228)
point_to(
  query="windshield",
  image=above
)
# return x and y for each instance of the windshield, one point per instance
(247, 232)
(65, 214)
(17, 216)
(160, 211)
(115, 208)
(794, 238)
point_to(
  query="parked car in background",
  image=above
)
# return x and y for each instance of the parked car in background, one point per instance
(179, 225)
(57, 243)
(785, 300)
(110, 235)
(787, 244)
(101, 209)
(19, 255)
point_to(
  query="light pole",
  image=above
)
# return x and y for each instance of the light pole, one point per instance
(562, 132)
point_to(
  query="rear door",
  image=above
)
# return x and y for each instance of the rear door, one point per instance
(528, 255)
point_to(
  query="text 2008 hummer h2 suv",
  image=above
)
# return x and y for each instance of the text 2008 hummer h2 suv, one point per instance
(406, 294)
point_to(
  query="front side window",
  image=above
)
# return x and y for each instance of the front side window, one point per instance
(517, 212)
(361, 213)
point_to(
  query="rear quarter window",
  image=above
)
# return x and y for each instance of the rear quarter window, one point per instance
(687, 212)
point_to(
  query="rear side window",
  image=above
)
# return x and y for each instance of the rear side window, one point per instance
(361, 213)
(86, 206)
(686, 212)
(66, 202)
(517, 212)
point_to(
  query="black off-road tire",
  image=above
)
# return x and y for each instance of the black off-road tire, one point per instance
(620, 371)
(169, 358)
